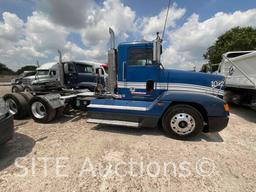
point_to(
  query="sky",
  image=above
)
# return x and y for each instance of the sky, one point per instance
(33, 30)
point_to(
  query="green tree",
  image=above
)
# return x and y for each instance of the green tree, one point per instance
(26, 68)
(236, 39)
(5, 70)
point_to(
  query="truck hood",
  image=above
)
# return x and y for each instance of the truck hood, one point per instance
(29, 77)
(195, 79)
(42, 80)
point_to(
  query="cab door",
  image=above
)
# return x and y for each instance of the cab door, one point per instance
(70, 74)
(85, 73)
(140, 73)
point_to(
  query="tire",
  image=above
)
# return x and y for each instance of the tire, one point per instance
(182, 122)
(28, 89)
(17, 88)
(41, 111)
(28, 96)
(17, 104)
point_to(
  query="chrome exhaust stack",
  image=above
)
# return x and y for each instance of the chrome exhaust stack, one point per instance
(61, 70)
(112, 65)
(112, 38)
(157, 46)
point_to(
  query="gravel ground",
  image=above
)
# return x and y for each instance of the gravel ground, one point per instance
(71, 155)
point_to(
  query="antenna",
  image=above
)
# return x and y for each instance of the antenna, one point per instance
(166, 18)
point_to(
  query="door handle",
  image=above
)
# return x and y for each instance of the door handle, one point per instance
(124, 78)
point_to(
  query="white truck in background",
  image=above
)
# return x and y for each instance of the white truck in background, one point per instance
(239, 68)
(80, 74)
(45, 72)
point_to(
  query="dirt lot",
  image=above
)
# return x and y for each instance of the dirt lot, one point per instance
(7, 78)
(71, 155)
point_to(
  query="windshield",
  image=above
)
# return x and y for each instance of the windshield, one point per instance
(42, 72)
(30, 73)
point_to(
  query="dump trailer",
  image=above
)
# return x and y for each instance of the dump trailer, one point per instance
(240, 71)
(139, 93)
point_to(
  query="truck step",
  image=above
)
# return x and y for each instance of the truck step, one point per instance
(114, 122)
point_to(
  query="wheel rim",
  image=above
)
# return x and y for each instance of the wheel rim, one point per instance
(38, 110)
(15, 90)
(183, 124)
(26, 90)
(12, 106)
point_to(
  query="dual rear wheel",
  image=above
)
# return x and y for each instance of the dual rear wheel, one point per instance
(41, 111)
(24, 104)
(18, 104)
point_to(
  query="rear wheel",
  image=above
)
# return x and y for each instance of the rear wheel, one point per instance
(28, 96)
(41, 111)
(28, 89)
(182, 121)
(17, 104)
(17, 88)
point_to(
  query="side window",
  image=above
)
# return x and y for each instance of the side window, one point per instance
(88, 69)
(140, 56)
(71, 68)
(81, 68)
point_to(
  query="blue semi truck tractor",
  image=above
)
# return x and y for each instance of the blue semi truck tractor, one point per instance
(147, 95)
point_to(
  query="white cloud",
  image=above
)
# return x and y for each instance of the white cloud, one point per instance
(94, 29)
(113, 14)
(189, 42)
(43, 35)
(151, 25)
(28, 42)
(40, 38)
(45, 31)
(11, 28)
(72, 52)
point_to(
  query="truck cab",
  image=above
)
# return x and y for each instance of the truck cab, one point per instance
(83, 74)
(46, 72)
(77, 75)
(147, 95)
(21, 79)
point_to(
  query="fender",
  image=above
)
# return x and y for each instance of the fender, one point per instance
(213, 105)
(53, 99)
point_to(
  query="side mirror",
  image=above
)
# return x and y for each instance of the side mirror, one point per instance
(99, 72)
(157, 49)
(52, 73)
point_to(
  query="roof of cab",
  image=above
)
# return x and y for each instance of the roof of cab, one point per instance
(143, 42)
(47, 66)
(94, 63)
(51, 65)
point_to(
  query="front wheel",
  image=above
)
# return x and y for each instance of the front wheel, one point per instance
(182, 121)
